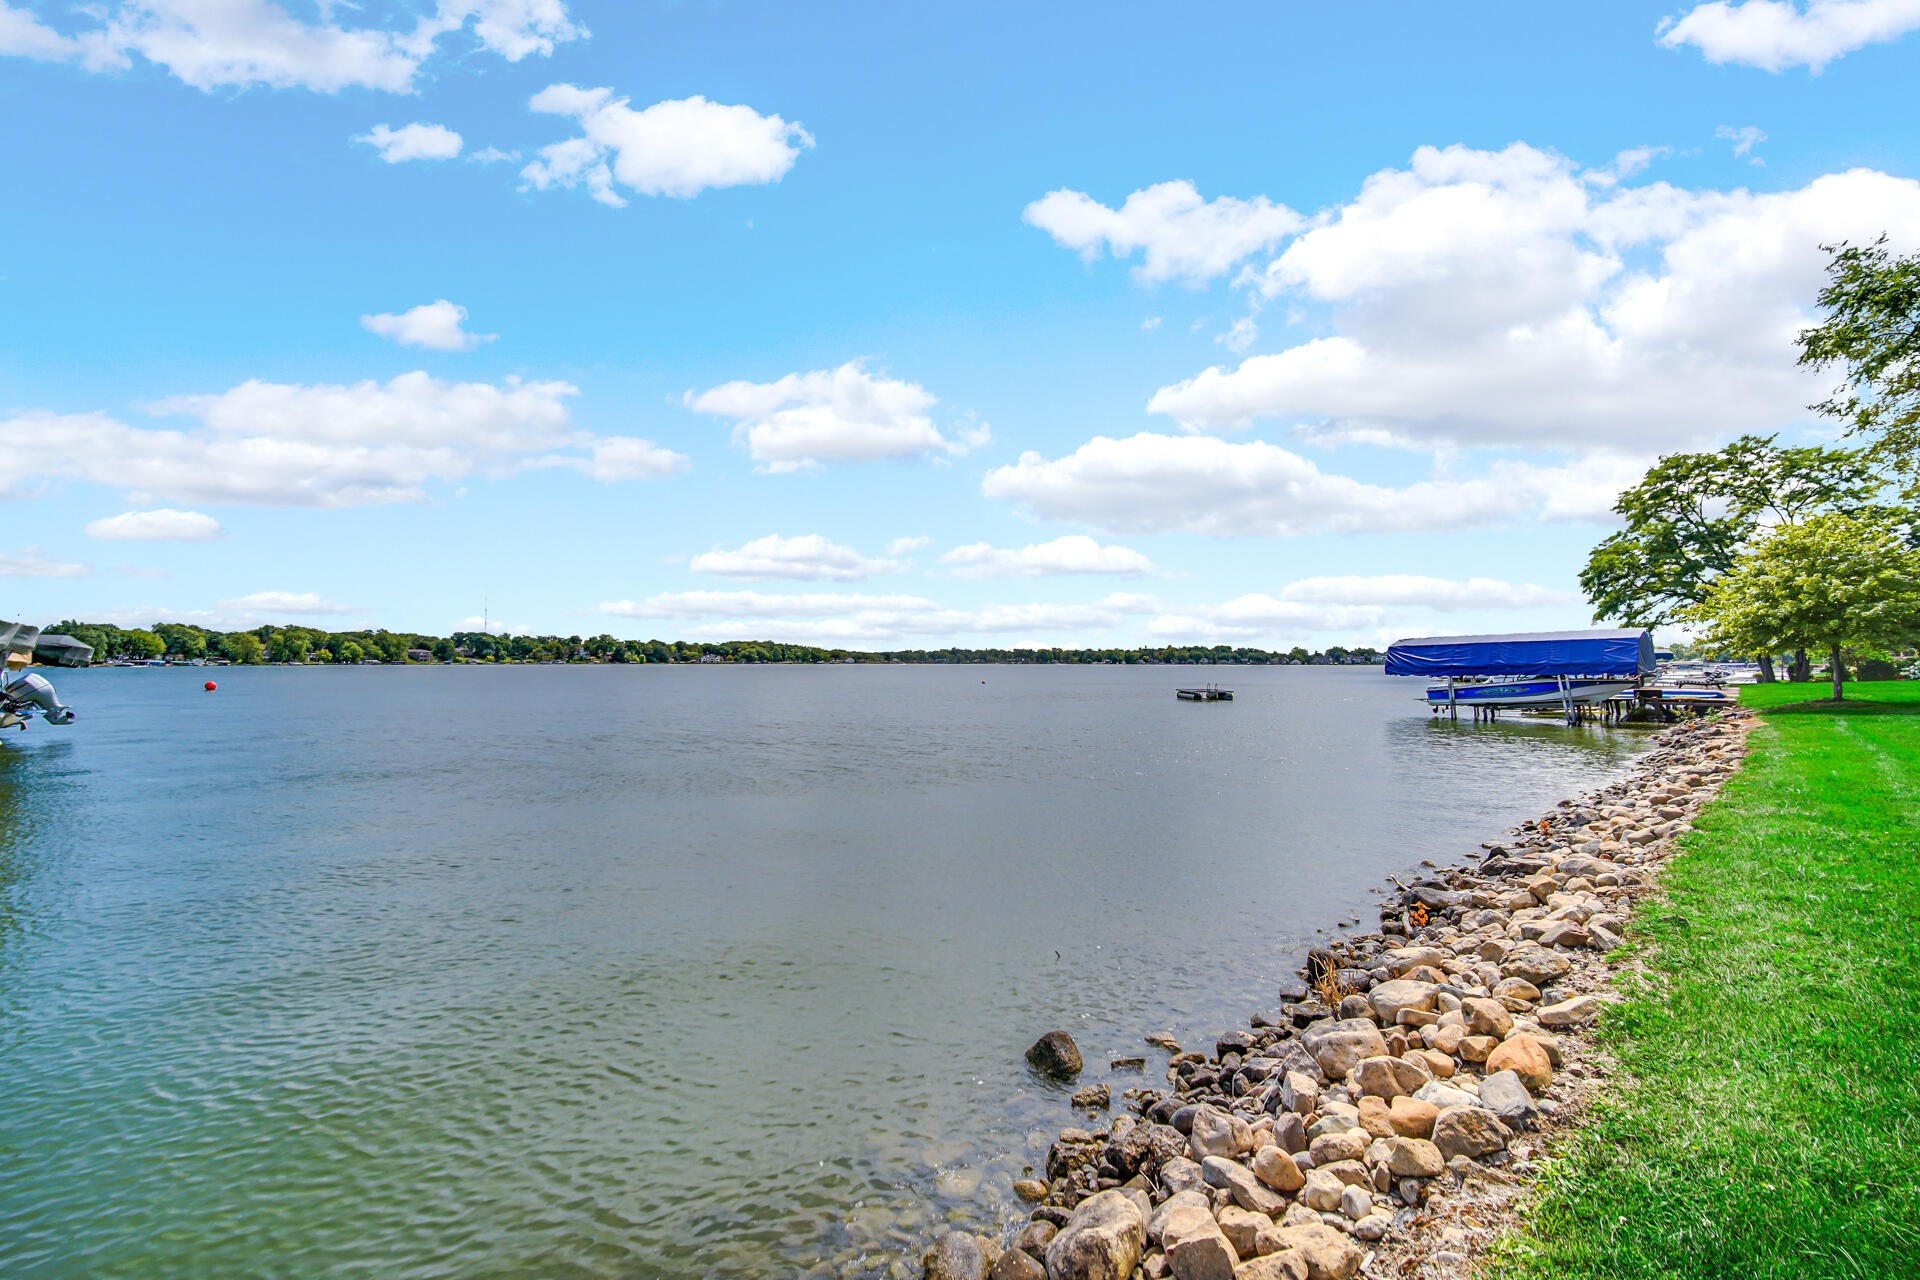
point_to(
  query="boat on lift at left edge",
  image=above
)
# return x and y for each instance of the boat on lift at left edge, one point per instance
(26, 694)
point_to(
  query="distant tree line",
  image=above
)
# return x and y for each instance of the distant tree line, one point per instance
(277, 644)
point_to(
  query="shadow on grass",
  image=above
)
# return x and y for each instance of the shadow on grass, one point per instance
(1846, 707)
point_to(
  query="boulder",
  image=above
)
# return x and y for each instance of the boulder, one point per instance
(1095, 1097)
(1537, 965)
(1564, 933)
(1163, 1215)
(1329, 1255)
(1181, 1174)
(1322, 1191)
(1571, 1013)
(1525, 1057)
(1487, 1018)
(1509, 1099)
(1035, 1237)
(1340, 1046)
(1440, 1064)
(1248, 1191)
(1401, 959)
(1348, 1144)
(1286, 1264)
(1517, 989)
(1389, 998)
(1373, 1227)
(1196, 1247)
(1476, 1048)
(1290, 1133)
(1299, 1093)
(1032, 1190)
(1386, 1077)
(1411, 1157)
(1473, 1132)
(1101, 1241)
(1278, 1169)
(1412, 1118)
(1016, 1264)
(1374, 1118)
(1356, 1203)
(958, 1255)
(1055, 1054)
(1213, 1133)
(1445, 1095)
(1242, 1228)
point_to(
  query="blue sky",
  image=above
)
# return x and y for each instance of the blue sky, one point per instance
(857, 325)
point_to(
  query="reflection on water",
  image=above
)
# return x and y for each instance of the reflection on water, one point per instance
(606, 972)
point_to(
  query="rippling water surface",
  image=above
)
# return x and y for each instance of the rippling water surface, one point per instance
(623, 972)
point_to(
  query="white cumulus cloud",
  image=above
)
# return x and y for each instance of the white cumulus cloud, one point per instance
(1501, 298)
(675, 148)
(1777, 34)
(1185, 237)
(906, 546)
(438, 325)
(412, 142)
(31, 564)
(1152, 483)
(213, 44)
(162, 525)
(322, 445)
(807, 556)
(301, 603)
(1444, 594)
(1073, 554)
(828, 415)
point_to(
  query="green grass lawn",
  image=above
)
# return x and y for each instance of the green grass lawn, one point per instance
(1766, 1118)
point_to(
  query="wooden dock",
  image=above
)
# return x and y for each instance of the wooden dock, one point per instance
(1208, 693)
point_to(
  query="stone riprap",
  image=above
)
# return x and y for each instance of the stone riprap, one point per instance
(1387, 1119)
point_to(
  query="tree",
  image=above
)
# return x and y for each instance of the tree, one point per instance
(242, 647)
(1692, 515)
(348, 652)
(1832, 581)
(143, 644)
(1872, 330)
(443, 649)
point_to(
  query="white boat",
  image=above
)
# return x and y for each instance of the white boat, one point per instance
(1523, 691)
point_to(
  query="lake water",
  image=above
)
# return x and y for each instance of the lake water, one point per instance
(654, 971)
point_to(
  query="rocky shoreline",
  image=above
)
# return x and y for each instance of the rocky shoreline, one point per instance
(1396, 1109)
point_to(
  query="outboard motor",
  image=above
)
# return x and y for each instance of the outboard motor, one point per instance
(23, 694)
(26, 690)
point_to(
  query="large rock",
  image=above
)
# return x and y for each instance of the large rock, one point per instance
(1276, 1167)
(1487, 1018)
(1287, 1264)
(1340, 1046)
(1213, 1133)
(1348, 1144)
(1300, 1093)
(1290, 1132)
(1016, 1264)
(1329, 1255)
(1386, 1077)
(1468, 1131)
(1322, 1191)
(1055, 1054)
(1537, 965)
(1412, 1118)
(1525, 1057)
(1181, 1174)
(1509, 1099)
(1412, 1157)
(1401, 959)
(1389, 998)
(1445, 1095)
(1163, 1216)
(1246, 1230)
(1571, 1013)
(1196, 1247)
(958, 1256)
(1237, 1180)
(1101, 1241)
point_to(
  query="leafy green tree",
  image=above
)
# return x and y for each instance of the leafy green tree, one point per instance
(242, 648)
(1831, 582)
(188, 642)
(348, 652)
(142, 644)
(443, 649)
(1692, 514)
(1872, 330)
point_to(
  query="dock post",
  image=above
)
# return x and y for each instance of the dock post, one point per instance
(1453, 705)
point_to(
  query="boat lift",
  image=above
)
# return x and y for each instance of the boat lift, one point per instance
(1541, 669)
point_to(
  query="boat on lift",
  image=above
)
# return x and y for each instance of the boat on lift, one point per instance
(1526, 669)
(26, 694)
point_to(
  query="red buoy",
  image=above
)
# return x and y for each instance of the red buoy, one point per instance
(211, 686)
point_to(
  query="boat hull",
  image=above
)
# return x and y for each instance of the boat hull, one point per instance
(1524, 693)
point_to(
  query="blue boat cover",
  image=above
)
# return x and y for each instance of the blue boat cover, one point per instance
(1540, 653)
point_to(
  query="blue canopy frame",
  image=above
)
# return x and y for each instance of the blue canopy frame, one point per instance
(1627, 652)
